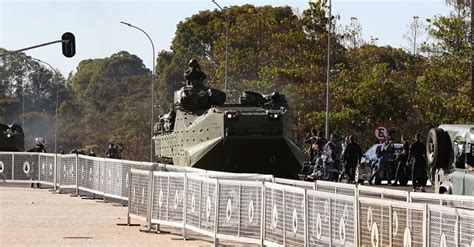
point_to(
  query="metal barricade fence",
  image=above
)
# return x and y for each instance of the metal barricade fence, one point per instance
(466, 227)
(331, 219)
(138, 200)
(25, 167)
(243, 208)
(337, 188)
(284, 220)
(46, 164)
(67, 171)
(382, 193)
(168, 198)
(454, 201)
(406, 223)
(297, 183)
(239, 210)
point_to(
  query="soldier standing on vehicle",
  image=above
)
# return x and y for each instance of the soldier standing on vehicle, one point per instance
(194, 75)
(402, 160)
(418, 174)
(351, 157)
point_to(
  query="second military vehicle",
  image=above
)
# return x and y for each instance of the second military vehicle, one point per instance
(450, 153)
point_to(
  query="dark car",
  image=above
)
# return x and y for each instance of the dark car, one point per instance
(370, 160)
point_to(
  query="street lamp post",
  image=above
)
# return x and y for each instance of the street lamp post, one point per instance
(152, 87)
(55, 117)
(328, 71)
(226, 43)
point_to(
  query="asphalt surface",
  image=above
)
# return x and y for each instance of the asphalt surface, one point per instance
(37, 217)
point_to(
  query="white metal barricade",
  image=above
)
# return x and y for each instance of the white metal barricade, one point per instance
(138, 200)
(391, 223)
(297, 183)
(383, 193)
(201, 210)
(284, 221)
(454, 201)
(333, 187)
(46, 164)
(239, 214)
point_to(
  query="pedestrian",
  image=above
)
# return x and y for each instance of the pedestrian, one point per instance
(334, 147)
(311, 139)
(321, 141)
(351, 158)
(109, 153)
(402, 160)
(385, 159)
(39, 147)
(418, 173)
(92, 153)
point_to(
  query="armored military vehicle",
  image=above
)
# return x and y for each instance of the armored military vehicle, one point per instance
(253, 136)
(450, 153)
(11, 138)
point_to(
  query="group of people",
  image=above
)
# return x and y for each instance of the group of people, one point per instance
(114, 151)
(342, 157)
(346, 156)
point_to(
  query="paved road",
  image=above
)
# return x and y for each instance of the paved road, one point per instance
(37, 217)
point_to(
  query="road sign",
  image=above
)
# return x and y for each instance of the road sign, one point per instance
(381, 132)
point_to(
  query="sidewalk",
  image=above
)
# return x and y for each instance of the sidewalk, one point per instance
(37, 217)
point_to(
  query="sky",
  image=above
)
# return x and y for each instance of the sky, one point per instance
(96, 23)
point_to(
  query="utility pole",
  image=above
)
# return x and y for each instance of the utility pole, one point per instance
(472, 50)
(328, 71)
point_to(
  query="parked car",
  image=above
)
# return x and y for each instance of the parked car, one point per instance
(370, 160)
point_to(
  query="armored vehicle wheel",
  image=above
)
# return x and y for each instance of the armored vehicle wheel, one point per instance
(438, 148)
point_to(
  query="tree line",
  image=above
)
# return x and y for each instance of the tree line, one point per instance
(270, 49)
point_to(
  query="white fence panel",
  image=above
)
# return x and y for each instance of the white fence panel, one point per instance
(331, 219)
(383, 193)
(138, 200)
(454, 201)
(391, 223)
(466, 227)
(337, 188)
(47, 168)
(284, 215)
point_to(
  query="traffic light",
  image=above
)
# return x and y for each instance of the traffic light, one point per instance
(69, 44)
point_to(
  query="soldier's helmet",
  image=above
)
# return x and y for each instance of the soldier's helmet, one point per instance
(40, 141)
(193, 63)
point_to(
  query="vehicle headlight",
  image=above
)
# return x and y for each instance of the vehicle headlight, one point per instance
(273, 114)
(231, 114)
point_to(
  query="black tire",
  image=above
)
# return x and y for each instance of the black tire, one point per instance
(438, 148)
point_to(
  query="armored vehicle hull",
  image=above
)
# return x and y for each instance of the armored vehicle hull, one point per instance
(231, 138)
(11, 138)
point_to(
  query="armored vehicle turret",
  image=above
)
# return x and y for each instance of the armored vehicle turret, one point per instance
(253, 136)
(11, 138)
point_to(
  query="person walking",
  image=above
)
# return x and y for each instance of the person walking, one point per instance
(351, 157)
(385, 159)
(40, 142)
(418, 173)
(402, 160)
